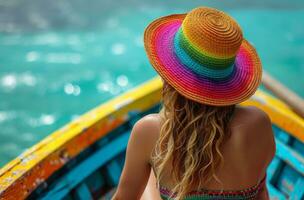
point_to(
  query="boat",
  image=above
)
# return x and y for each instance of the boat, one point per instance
(84, 159)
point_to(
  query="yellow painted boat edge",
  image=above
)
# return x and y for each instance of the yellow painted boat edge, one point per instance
(69, 141)
(40, 161)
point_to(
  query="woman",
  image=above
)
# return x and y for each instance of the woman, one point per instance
(202, 144)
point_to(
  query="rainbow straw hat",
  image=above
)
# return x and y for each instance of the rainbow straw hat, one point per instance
(203, 55)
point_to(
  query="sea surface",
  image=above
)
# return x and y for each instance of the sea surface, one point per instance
(59, 59)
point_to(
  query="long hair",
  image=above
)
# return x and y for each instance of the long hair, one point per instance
(190, 140)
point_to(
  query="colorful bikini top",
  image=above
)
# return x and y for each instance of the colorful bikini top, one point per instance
(203, 194)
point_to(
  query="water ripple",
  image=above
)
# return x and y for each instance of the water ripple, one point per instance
(118, 49)
(71, 89)
(43, 120)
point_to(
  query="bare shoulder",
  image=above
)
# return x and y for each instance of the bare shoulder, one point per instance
(254, 113)
(259, 114)
(254, 133)
(253, 119)
(261, 123)
(148, 123)
(146, 131)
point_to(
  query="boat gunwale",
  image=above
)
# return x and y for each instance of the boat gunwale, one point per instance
(112, 114)
(109, 115)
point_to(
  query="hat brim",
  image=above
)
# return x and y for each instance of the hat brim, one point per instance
(159, 45)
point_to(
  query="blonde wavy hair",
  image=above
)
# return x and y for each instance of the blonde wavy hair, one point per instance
(190, 141)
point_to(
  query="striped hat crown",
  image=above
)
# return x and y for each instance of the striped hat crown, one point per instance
(208, 42)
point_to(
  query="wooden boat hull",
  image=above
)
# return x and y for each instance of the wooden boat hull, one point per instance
(84, 159)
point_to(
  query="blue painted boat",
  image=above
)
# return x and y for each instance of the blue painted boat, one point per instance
(84, 159)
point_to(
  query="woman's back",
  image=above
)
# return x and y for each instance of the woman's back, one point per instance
(201, 139)
(246, 153)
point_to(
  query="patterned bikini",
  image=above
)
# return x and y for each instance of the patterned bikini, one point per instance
(249, 193)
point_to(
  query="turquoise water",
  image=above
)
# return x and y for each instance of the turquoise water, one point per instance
(58, 60)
